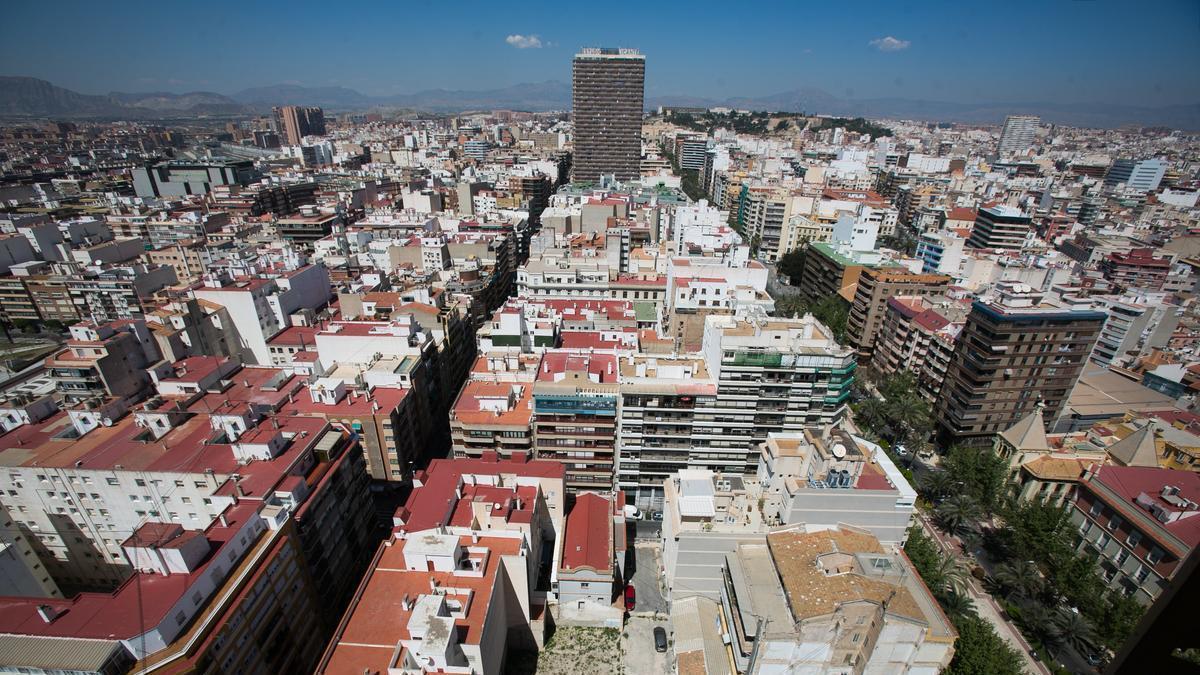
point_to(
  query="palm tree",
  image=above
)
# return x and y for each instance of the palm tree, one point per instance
(957, 514)
(957, 605)
(951, 576)
(1019, 578)
(873, 417)
(936, 485)
(909, 414)
(1042, 625)
(1077, 631)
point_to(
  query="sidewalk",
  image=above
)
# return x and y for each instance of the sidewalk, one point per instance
(986, 606)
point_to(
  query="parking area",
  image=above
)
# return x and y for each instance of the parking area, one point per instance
(637, 642)
(647, 578)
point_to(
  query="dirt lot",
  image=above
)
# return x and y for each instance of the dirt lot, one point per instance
(582, 651)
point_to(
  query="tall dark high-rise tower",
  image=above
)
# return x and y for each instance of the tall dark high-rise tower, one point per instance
(607, 95)
(296, 122)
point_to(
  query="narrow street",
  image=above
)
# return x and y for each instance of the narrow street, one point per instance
(984, 604)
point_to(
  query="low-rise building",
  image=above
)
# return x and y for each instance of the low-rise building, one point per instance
(821, 477)
(1141, 522)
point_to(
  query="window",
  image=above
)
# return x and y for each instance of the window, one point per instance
(1154, 556)
(1133, 538)
(1096, 509)
(113, 481)
(1116, 522)
(139, 482)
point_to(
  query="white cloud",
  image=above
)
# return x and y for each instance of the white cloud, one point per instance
(889, 44)
(524, 41)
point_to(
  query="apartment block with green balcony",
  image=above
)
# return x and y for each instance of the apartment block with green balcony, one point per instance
(777, 375)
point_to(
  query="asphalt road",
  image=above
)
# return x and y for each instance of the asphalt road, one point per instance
(647, 579)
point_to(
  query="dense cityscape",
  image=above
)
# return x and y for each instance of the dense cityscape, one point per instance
(613, 388)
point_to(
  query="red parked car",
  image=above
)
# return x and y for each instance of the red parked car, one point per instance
(630, 598)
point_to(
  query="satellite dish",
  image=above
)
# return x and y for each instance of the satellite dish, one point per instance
(839, 450)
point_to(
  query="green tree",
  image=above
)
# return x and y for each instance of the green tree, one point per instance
(790, 306)
(791, 265)
(1041, 625)
(936, 485)
(834, 313)
(1077, 630)
(1019, 578)
(980, 651)
(1037, 530)
(956, 605)
(958, 514)
(1119, 617)
(982, 473)
(923, 553)
(953, 576)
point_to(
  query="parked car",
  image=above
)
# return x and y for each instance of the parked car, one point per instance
(656, 516)
(660, 639)
(630, 598)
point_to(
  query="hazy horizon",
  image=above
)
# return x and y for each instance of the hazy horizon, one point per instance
(1068, 51)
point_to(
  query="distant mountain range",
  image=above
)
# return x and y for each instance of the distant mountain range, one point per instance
(31, 97)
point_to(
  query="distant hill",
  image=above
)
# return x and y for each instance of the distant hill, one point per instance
(332, 98)
(193, 102)
(31, 97)
(816, 101)
(549, 95)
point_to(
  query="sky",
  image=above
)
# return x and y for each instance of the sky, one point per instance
(1061, 51)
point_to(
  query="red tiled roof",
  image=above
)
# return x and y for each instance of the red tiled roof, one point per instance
(584, 339)
(377, 620)
(295, 336)
(931, 320)
(588, 536)
(142, 600)
(603, 365)
(1131, 481)
(432, 504)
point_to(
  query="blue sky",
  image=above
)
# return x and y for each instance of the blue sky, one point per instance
(1056, 50)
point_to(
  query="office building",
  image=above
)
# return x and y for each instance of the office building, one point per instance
(1018, 134)
(1137, 176)
(179, 178)
(607, 92)
(296, 122)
